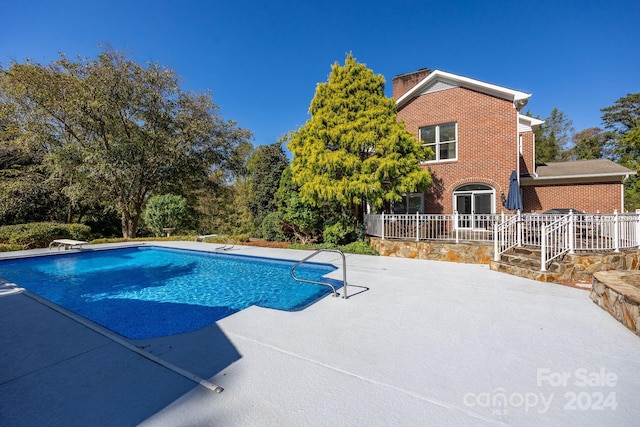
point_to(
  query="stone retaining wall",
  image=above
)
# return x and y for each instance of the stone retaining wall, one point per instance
(618, 293)
(578, 267)
(582, 266)
(435, 250)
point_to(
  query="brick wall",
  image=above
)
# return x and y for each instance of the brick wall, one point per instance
(404, 82)
(527, 160)
(488, 151)
(487, 142)
(591, 198)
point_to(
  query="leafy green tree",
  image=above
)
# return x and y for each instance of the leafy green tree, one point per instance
(116, 131)
(553, 138)
(590, 143)
(353, 150)
(264, 169)
(24, 192)
(222, 203)
(24, 196)
(165, 211)
(301, 220)
(622, 120)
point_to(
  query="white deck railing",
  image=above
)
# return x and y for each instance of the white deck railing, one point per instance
(432, 226)
(557, 234)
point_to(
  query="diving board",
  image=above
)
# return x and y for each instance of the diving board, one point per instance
(67, 244)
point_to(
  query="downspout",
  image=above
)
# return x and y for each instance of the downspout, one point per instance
(533, 154)
(622, 193)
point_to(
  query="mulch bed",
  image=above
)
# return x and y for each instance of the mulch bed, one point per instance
(265, 243)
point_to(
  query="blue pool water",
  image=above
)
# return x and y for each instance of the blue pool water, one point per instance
(146, 292)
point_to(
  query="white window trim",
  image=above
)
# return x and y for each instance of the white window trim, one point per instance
(489, 190)
(437, 143)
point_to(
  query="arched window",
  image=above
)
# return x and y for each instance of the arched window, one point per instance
(474, 202)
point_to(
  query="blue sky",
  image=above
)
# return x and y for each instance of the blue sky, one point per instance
(261, 60)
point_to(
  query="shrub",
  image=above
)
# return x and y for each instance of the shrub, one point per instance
(359, 247)
(79, 231)
(340, 233)
(271, 228)
(8, 247)
(165, 211)
(40, 234)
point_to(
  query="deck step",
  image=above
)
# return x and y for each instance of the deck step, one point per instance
(528, 273)
(521, 259)
(525, 262)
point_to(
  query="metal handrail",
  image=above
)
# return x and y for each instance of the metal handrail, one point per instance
(502, 235)
(344, 272)
(228, 242)
(551, 234)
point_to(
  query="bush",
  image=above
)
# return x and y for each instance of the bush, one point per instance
(340, 233)
(40, 234)
(271, 228)
(359, 247)
(165, 211)
(8, 247)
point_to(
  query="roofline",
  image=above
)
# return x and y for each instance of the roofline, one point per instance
(517, 97)
(533, 122)
(531, 180)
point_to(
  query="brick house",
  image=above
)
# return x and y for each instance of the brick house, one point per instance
(479, 136)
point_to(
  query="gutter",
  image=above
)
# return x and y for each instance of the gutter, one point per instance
(541, 179)
(622, 192)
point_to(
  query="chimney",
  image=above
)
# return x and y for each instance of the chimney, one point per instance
(404, 82)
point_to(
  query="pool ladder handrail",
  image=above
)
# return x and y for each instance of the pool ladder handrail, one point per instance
(228, 243)
(344, 272)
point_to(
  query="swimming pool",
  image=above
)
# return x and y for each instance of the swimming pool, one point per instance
(149, 291)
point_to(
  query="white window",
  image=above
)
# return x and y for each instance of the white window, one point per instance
(442, 139)
(410, 204)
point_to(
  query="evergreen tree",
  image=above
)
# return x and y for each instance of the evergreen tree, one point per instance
(622, 119)
(353, 150)
(264, 170)
(589, 144)
(553, 138)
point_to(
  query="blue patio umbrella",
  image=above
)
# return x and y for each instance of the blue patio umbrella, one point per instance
(514, 199)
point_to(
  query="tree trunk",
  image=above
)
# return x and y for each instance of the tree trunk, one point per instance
(129, 221)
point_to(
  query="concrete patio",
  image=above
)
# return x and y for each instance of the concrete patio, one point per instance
(426, 343)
